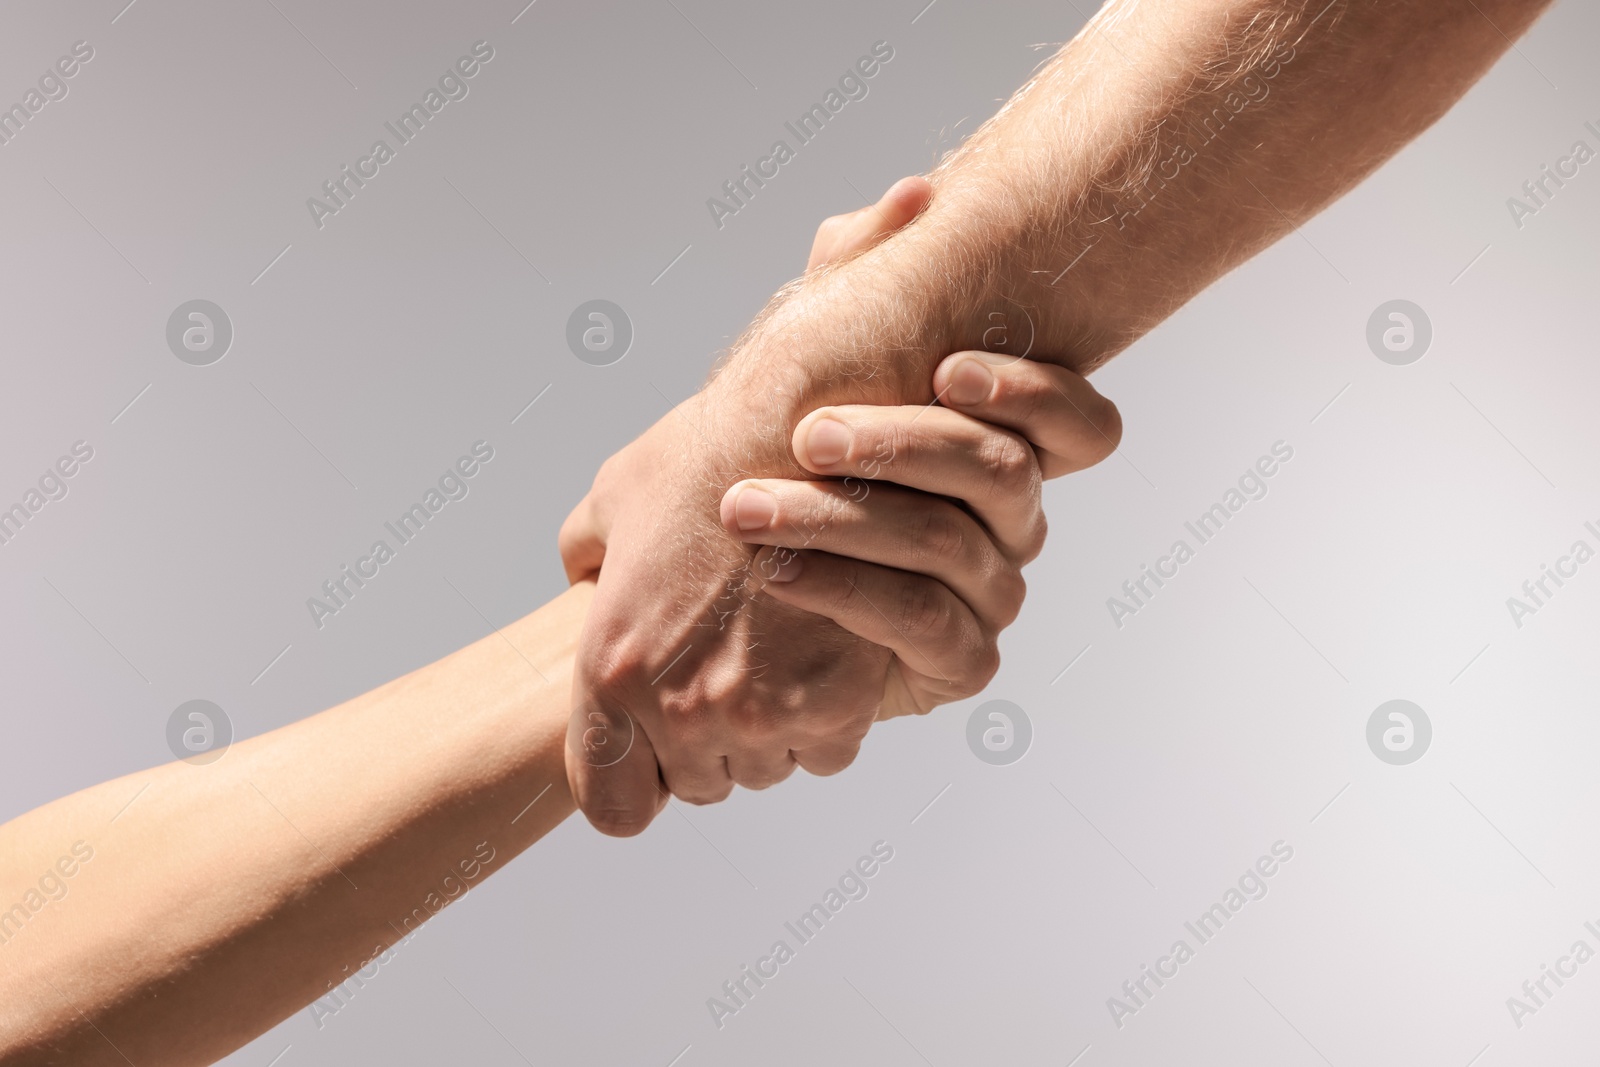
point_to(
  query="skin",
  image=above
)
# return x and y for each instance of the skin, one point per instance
(188, 909)
(1166, 144)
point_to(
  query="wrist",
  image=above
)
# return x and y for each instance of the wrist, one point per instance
(1022, 275)
(870, 331)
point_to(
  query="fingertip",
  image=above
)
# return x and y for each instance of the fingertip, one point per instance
(612, 770)
(580, 543)
(748, 507)
(821, 441)
(967, 379)
(776, 567)
(619, 822)
(906, 199)
(972, 383)
(1110, 420)
(826, 760)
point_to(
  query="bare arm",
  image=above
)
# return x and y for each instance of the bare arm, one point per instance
(228, 896)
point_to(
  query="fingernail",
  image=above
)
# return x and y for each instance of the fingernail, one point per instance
(827, 442)
(784, 566)
(754, 509)
(970, 383)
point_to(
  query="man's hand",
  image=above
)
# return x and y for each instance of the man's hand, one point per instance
(952, 497)
(689, 674)
(585, 532)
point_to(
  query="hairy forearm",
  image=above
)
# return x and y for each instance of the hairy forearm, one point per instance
(285, 867)
(1162, 147)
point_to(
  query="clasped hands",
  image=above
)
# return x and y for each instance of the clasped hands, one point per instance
(769, 588)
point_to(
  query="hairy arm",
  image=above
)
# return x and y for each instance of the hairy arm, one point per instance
(1166, 144)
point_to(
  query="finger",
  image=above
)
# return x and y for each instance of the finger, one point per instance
(696, 777)
(582, 541)
(882, 523)
(1070, 424)
(995, 472)
(758, 768)
(917, 618)
(831, 757)
(612, 769)
(684, 734)
(857, 231)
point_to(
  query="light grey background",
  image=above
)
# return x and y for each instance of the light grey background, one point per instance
(1224, 717)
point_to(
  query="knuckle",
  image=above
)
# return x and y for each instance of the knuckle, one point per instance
(843, 598)
(683, 715)
(609, 670)
(763, 779)
(972, 670)
(878, 443)
(1034, 537)
(750, 722)
(701, 795)
(1106, 420)
(1011, 589)
(833, 765)
(830, 760)
(1027, 400)
(1010, 462)
(941, 536)
(614, 821)
(805, 513)
(920, 612)
(983, 664)
(846, 722)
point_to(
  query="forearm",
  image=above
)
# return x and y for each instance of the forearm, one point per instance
(1163, 146)
(286, 866)
(1189, 136)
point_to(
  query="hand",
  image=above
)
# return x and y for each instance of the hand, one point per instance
(919, 547)
(585, 533)
(640, 691)
(677, 681)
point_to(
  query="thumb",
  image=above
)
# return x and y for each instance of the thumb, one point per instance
(582, 541)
